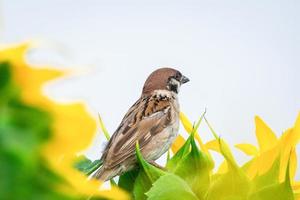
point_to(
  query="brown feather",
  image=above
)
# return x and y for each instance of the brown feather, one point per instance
(121, 146)
(157, 80)
(124, 145)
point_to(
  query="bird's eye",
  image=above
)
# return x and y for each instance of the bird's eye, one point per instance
(177, 76)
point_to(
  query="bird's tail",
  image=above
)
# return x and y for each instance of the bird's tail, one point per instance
(103, 174)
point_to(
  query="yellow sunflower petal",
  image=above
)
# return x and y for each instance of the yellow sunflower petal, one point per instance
(248, 149)
(186, 122)
(296, 190)
(293, 164)
(252, 171)
(296, 186)
(262, 163)
(213, 145)
(265, 136)
(223, 168)
(178, 143)
(189, 128)
(222, 147)
(286, 148)
(266, 160)
(289, 140)
(29, 79)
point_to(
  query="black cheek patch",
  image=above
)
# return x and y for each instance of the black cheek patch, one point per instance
(174, 88)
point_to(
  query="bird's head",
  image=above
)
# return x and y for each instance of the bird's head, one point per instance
(164, 79)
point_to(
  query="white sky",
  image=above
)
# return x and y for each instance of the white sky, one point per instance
(242, 58)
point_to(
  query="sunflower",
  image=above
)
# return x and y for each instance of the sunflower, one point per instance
(70, 127)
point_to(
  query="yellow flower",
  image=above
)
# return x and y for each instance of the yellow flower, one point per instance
(271, 148)
(267, 153)
(288, 142)
(73, 128)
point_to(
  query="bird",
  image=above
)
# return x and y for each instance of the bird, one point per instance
(152, 121)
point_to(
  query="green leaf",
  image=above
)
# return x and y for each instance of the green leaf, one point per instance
(172, 163)
(170, 187)
(234, 184)
(274, 192)
(103, 128)
(127, 180)
(152, 172)
(5, 75)
(86, 166)
(269, 178)
(277, 191)
(8, 90)
(148, 174)
(142, 184)
(23, 131)
(195, 168)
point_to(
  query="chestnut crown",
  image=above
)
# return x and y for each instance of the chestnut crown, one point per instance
(164, 79)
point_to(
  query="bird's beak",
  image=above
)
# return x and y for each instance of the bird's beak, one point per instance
(184, 79)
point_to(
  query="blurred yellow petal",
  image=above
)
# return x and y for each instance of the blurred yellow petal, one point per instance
(265, 136)
(82, 186)
(15, 54)
(178, 143)
(29, 79)
(73, 127)
(248, 149)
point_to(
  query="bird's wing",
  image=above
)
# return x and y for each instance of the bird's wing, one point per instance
(147, 117)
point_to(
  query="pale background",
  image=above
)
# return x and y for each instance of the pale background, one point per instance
(242, 57)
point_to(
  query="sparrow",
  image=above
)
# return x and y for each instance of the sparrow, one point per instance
(153, 121)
